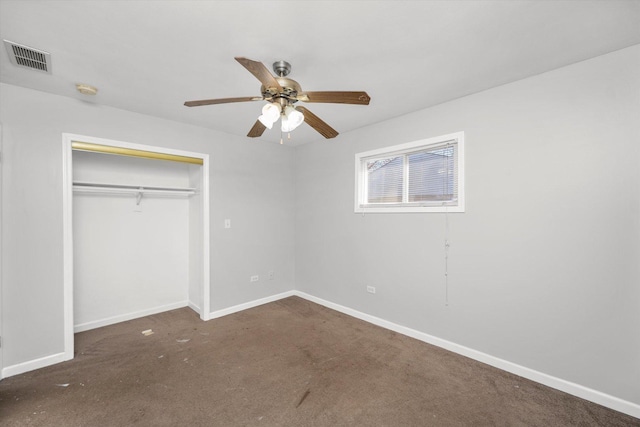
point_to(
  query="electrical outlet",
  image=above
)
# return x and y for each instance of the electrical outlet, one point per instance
(371, 289)
(255, 278)
(272, 274)
(227, 223)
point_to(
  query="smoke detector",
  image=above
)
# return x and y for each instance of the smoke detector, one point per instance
(28, 57)
(86, 89)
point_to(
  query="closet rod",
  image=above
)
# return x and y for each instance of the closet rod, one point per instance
(117, 188)
(108, 149)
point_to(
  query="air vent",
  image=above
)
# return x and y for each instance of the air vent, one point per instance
(28, 57)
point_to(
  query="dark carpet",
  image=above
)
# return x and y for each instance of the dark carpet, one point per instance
(287, 363)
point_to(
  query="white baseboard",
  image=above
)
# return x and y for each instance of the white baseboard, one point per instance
(193, 306)
(34, 364)
(578, 390)
(250, 304)
(128, 316)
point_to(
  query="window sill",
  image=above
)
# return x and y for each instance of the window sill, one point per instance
(408, 209)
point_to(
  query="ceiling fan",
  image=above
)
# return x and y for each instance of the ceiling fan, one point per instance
(282, 93)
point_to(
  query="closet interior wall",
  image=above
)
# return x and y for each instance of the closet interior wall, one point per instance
(132, 255)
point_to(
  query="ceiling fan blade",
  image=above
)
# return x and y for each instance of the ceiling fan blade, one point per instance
(222, 101)
(318, 124)
(336, 97)
(261, 72)
(257, 130)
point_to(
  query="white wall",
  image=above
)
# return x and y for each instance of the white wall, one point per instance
(250, 182)
(129, 258)
(544, 263)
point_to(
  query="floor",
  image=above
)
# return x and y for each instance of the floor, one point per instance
(287, 363)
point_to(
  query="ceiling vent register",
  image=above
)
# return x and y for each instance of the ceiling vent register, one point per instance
(28, 57)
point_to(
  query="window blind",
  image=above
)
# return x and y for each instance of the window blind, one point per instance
(385, 180)
(432, 175)
(424, 177)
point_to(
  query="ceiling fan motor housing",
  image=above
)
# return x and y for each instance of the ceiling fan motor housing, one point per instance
(290, 89)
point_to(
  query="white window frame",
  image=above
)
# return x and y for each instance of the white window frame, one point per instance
(361, 176)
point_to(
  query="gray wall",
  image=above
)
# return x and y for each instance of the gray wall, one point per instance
(251, 183)
(544, 263)
(544, 267)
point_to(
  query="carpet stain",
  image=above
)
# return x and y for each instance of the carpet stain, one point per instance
(304, 396)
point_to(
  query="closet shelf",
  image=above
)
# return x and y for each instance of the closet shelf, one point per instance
(93, 187)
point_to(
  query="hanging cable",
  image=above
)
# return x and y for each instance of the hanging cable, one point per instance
(446, 256)
(446, 190)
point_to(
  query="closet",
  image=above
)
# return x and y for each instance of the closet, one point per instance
(138, 227)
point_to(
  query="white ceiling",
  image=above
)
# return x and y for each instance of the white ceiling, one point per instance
(151, 56)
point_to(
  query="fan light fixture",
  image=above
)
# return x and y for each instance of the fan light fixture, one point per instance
(270, 115)
(291, 119)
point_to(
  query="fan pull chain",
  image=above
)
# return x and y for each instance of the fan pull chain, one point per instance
(288, 136)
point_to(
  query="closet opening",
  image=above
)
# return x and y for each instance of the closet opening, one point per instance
(136, 232)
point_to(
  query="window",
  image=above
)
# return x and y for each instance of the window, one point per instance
(420, 176)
